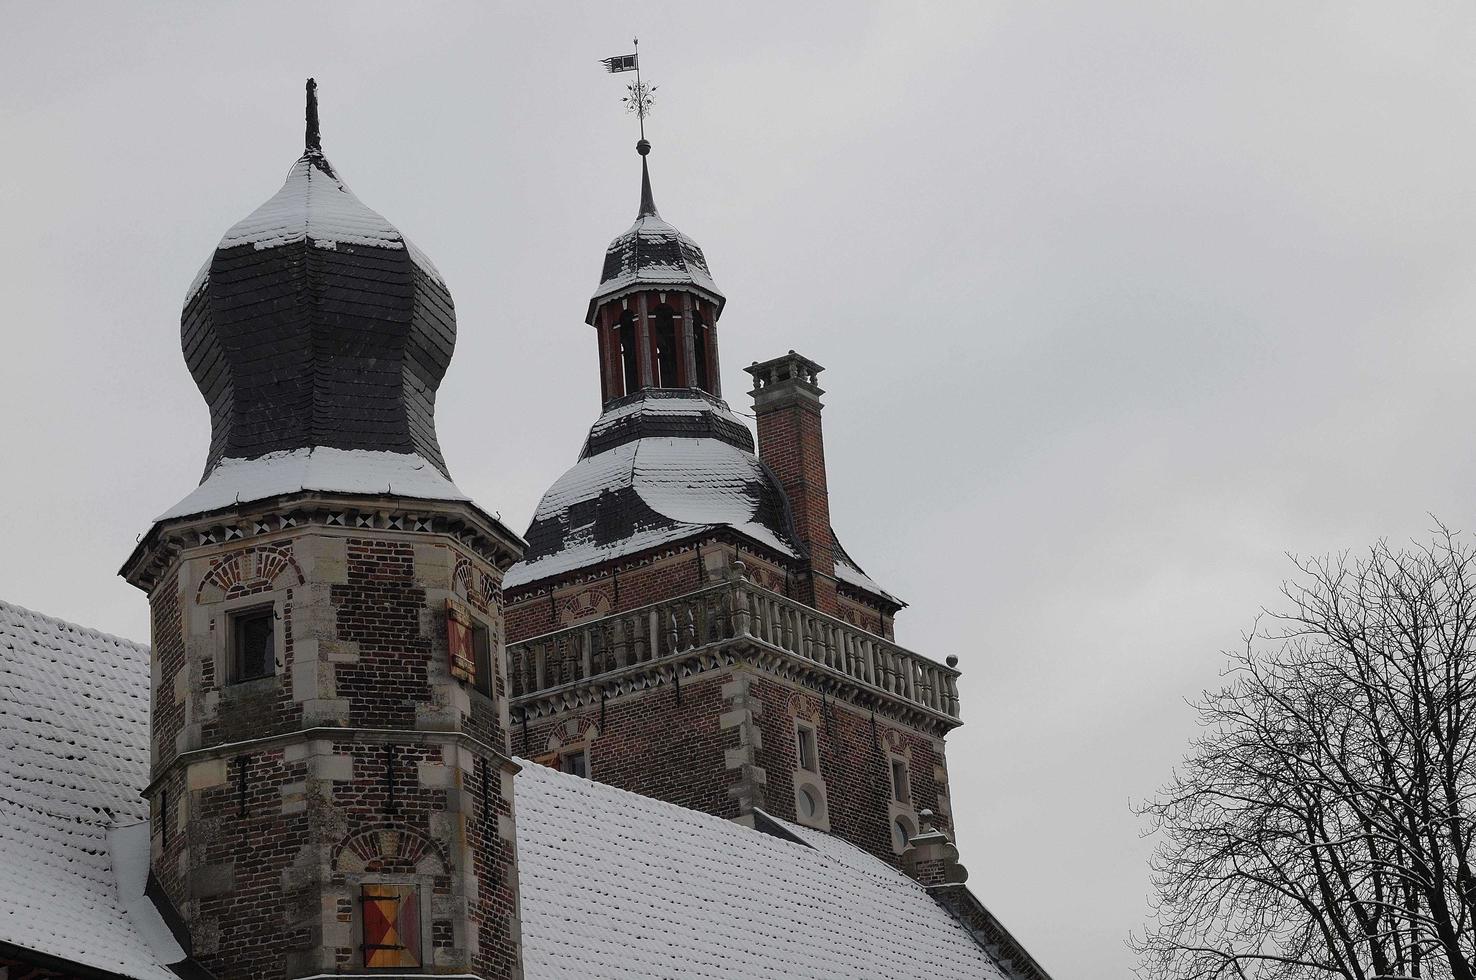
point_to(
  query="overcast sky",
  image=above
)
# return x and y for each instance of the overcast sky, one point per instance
(1118, 304)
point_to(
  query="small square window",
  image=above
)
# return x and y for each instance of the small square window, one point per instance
(253, 644)
(809, 758)
(576, 763)
(901, 785)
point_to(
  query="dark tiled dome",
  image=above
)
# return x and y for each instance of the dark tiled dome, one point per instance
(316, 324)
(658, 467)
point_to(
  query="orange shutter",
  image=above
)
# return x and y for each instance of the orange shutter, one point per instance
(459, 639)
(391, 925)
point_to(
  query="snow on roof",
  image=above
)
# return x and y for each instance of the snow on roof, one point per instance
(687, 486)
(74, 734)
(653, 252)
(611, 884)
(315, 205)
(616, 886)
(320, 468)
(847, 571)
(665, 402)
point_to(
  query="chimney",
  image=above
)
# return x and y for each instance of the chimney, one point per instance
(786, 401)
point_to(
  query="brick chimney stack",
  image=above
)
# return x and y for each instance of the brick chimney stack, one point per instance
(786, 401)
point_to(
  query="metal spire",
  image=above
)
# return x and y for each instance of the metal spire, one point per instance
(648, 202)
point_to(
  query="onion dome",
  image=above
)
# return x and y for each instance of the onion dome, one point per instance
(653, 254)
(658, 467)
(318, 335)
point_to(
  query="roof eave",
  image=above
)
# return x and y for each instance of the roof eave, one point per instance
(601, 297)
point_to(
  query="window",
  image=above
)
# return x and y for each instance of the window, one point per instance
(482, 650)
(628, 352)
(699, 348)
(666, 347)
(809, 758)
(901, 835)
(253, 644)
(576, 763)
(391, 915)
(901, 785)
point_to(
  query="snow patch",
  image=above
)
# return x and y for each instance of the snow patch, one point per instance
(130, 848)
(314, 205)
(319, 468)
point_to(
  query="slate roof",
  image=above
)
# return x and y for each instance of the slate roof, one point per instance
(74, 740)
(652, 252)
(315, 322)
(660, 466)
(612, 884)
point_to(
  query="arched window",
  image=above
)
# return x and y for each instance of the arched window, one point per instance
(699, 348)
(665, 354)
(628, 358)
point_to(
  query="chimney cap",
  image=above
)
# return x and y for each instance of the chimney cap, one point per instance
(789, 370)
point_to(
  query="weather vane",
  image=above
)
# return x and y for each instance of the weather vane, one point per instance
(638, 94)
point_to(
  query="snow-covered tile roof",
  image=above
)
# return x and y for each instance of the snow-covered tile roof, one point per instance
(620, 886)
(315, 205)
(665, 402)
(656, 491)
(74, 740)
(847, 571)
(652, 252)
(321, 468)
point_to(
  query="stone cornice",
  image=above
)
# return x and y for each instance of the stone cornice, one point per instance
(474, 528)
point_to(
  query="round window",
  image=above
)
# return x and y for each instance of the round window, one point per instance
(807, 803)
(900, 835)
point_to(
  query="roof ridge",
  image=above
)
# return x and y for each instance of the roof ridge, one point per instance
(11, 607)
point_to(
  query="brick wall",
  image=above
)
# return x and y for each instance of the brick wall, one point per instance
(692, 753)
(265, 862)
(651, 744)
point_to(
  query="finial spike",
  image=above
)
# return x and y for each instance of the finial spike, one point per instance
(313, 142)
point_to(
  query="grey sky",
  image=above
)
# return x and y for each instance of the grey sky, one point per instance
(1118, 303)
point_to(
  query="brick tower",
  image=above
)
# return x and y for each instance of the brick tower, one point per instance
(685, 623)
(331, 788)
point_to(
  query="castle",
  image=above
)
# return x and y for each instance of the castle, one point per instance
(665, 732)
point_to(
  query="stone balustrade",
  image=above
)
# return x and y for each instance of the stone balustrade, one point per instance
(730, 613)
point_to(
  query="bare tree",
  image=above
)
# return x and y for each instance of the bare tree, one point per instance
(1322, 823)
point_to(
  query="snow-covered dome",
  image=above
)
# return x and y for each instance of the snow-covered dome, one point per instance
(653, 253)
(659, 466)
(316, 325)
